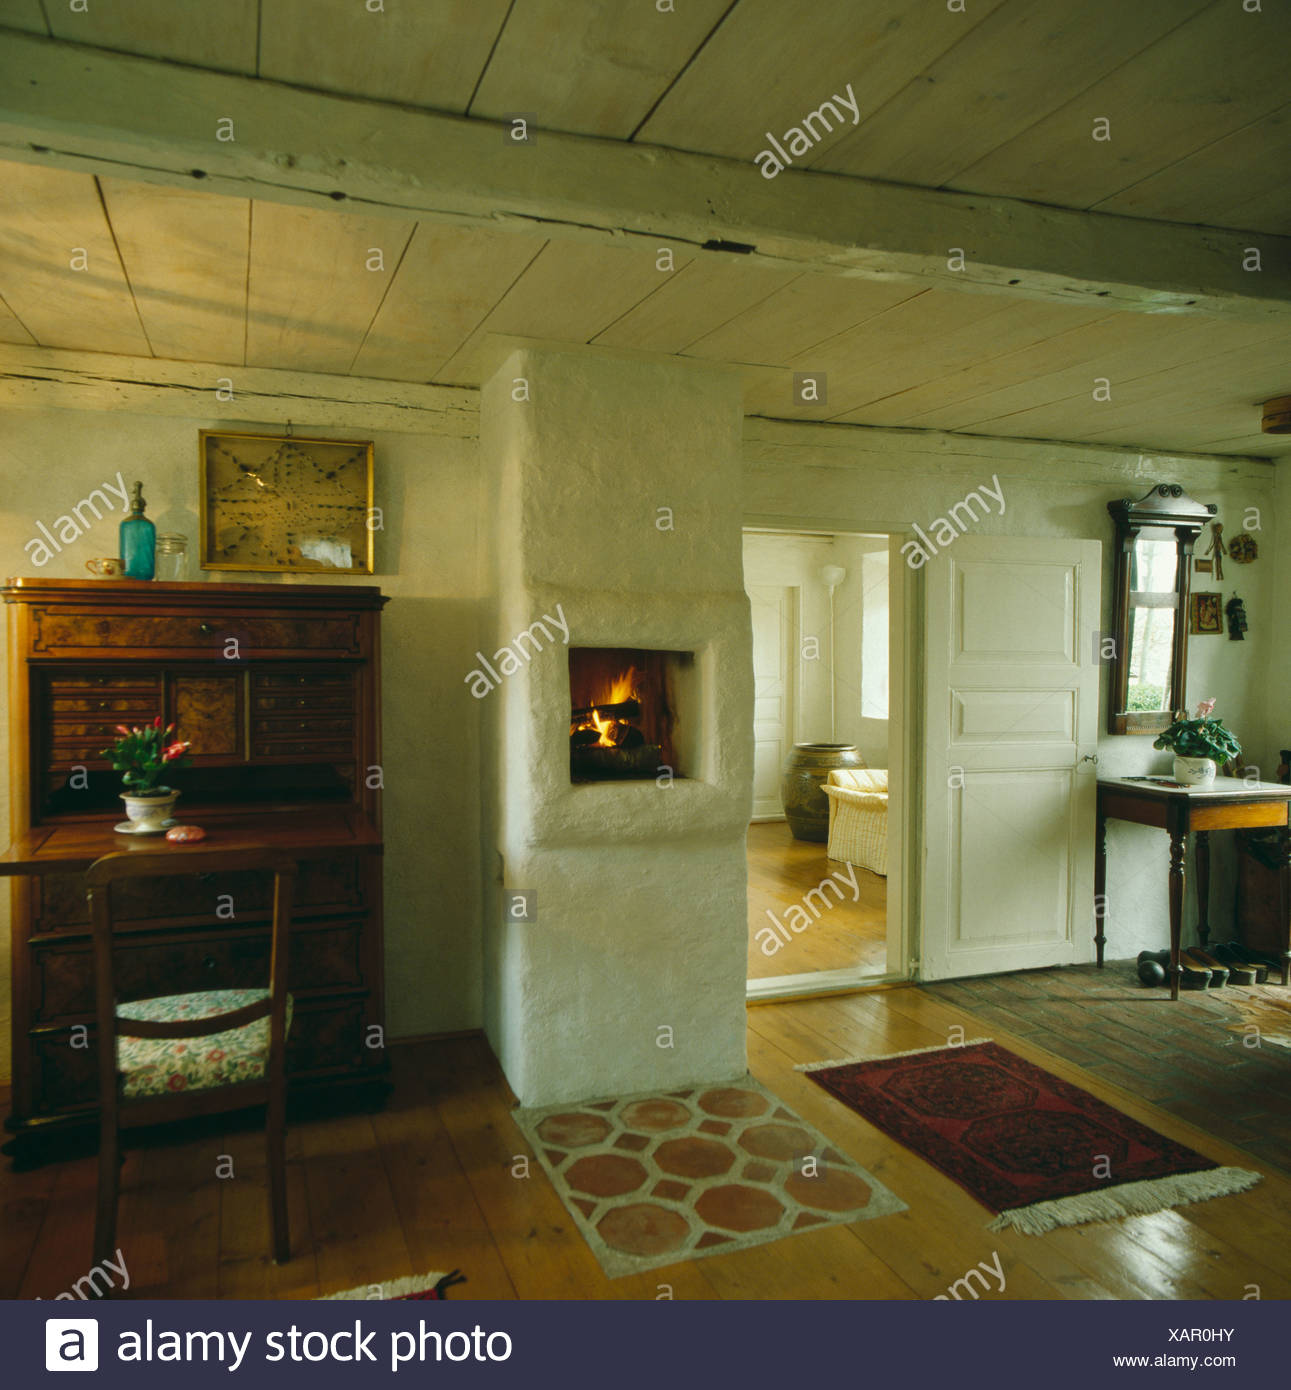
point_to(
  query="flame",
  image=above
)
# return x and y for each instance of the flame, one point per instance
(623, 687)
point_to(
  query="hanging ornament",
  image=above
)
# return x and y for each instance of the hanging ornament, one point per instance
(1243, 549)
(1217, 547)
(1236, 619)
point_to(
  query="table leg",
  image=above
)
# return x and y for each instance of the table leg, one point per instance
(1201, 857)
(1178, 842)
(1100, 886)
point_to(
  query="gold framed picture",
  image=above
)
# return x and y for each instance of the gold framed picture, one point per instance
(285, 502)
(1207, 615)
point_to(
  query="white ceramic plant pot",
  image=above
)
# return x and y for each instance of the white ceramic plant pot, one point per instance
(150, 814)
(1194, 772)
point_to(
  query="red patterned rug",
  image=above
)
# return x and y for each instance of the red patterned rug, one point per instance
(1036, 1150)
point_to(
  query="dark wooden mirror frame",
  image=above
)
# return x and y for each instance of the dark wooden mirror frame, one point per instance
(1166, 511)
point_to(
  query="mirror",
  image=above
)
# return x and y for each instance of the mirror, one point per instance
(1155, 538)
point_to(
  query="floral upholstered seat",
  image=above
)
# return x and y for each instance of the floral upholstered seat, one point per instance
(162, 1066)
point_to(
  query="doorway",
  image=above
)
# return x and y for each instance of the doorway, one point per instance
(828, 655)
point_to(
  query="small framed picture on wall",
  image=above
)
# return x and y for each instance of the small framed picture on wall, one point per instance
(1207, 614)
(283, 502)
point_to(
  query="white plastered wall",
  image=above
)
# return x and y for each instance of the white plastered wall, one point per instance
(616, 487)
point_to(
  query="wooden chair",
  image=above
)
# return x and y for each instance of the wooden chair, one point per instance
(153, 1078)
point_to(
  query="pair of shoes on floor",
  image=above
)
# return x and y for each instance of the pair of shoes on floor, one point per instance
(1253, 963)
(1200, 969)
(1196, 970)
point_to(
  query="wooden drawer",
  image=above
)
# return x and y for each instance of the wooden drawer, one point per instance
(323, 957)
(76, 634)
(308, 702)
(292, 726)
(127, 681)
(124, 707)
(323, 885)
(272, 682)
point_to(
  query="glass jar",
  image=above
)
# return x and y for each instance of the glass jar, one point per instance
(172, 558)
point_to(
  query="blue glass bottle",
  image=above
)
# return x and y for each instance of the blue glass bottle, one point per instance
(138, 540)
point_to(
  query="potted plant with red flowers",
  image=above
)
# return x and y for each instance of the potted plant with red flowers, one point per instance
(141, 755)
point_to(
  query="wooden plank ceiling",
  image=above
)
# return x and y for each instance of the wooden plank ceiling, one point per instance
(992, 97)
(999, 99)
(109, 266)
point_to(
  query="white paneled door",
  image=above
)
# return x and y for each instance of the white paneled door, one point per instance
(775, 616)
(1011, 727)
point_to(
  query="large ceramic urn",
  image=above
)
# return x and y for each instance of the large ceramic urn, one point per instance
(806, 770)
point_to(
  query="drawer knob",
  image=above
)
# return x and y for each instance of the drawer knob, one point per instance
(304, 724)
(105, 704)
(206, 629)
(209, 963)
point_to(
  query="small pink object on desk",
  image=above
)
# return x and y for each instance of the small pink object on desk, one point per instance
(185, 834)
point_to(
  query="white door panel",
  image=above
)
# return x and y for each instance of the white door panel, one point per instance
(1011, 712)
(774, 612)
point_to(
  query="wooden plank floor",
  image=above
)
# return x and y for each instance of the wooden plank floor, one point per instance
(851, 933)
(433, 1182)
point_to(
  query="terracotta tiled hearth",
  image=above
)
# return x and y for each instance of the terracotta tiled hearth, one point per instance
(658, 1178)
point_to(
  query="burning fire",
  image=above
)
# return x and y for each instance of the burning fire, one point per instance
(623, 688)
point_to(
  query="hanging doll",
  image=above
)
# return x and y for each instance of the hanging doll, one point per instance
(1217, 547)
(1236, 618)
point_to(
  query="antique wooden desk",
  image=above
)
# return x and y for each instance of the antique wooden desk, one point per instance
(1231, 803)
(278, 687)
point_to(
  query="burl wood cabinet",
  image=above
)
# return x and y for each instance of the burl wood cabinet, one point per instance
(278, 687)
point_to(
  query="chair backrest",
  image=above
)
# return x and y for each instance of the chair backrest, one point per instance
(860, 779)
(112, 868)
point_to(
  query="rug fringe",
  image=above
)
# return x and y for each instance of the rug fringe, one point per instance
(396, 1288)
(889, 1056)
(1129, 1199)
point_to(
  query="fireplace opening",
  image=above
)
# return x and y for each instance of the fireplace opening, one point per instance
(626, 712)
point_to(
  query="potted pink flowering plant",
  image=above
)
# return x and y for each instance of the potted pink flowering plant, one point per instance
(141, 755)
(1201, 746)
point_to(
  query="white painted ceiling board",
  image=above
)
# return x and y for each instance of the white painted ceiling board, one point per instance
(448, 280)
(186, 257)
(691, 303)
(1065, 400)
(596, 67)
(26, 15)
(1008, 72)
(1239, 181)
(570, 292)
(200, 32)
(11, 327)
(310, 296)
(428, 53)
(1061, 367)
(917, 325)
(1219, 71)
(768, 66)
(810, 310)
(50, 218)
(1016, 329)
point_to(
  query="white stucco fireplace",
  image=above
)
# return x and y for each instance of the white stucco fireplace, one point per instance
(616, 483)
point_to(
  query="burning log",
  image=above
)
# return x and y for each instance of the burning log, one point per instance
(615, 762)
(623, 709)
